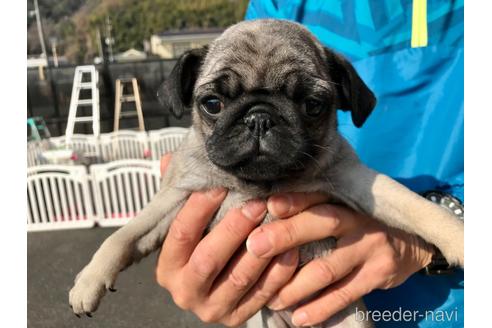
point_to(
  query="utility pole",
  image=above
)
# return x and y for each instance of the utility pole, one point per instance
(106, 56)
(48, 65)
(53, 42)
(109, 38)
(100, 45)
(40, 32)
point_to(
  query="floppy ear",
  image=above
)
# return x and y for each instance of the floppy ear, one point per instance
(176, 91)
(352, 93)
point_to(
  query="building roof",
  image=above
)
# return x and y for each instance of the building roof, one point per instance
(130, 54)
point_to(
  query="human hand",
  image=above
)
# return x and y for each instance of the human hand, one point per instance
(368, 255)
(215, 277)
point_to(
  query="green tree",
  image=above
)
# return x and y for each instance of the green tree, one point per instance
(75, 22)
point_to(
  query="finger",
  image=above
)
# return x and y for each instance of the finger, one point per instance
(335, 298)
(187, 228)
(218, 246)
(288, 204)
(316, 223)
(165, 160)
(236, 279)
(320, 273)
(277, 274)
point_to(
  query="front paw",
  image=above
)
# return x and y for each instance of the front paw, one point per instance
(454, 255)
(453, 249)
(90, 287)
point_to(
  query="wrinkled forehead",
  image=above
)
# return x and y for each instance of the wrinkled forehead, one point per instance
(272, 57)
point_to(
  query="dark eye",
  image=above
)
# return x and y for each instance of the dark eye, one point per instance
(212, 105)
(313, 107)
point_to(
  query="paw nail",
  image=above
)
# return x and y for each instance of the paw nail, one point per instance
(111, 289)
(88, 314)
(78, 316)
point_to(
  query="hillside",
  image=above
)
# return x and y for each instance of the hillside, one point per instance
(75, 23)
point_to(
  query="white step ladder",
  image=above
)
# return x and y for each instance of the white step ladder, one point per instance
(75, 101)
(121, 97)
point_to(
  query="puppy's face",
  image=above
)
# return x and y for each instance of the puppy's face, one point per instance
(264, 97)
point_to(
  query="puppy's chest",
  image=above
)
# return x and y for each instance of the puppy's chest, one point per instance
(307, 252)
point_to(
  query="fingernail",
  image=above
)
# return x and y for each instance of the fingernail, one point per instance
(299, 318)
(258, 243)
(289, 258)
(254, 210)
(279, 205)
(275, 304)
(215, 193)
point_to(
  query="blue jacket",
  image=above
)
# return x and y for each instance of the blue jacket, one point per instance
(415, 133)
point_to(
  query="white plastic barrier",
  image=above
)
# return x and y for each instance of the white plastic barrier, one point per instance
(165, 140)
(87, 145)
(58, 197)
(34, 151)
(122, 188)
(124, 144)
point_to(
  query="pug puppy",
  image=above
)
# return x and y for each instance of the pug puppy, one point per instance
(264, 97)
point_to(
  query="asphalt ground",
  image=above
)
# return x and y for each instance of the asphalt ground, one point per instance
(53, 260)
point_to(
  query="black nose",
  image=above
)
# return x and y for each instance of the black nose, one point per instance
(258, 122)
